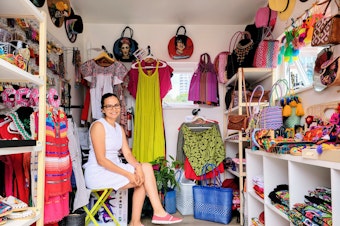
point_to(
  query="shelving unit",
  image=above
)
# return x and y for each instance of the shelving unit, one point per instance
(11, 73)
(299, 173)
(235, 142)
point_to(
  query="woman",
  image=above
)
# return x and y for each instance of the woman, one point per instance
(124, 47)
(104, 168)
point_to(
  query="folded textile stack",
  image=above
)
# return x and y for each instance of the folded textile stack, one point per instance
(258, 185)
(280, 198)
(317, 209)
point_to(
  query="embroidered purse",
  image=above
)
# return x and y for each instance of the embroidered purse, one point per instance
(326, 31)
(330, 74)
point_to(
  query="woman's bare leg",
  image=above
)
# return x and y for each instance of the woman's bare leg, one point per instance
(137, 205)
(151, 189)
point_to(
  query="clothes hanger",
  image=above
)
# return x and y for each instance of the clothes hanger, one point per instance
(104, 58)
(151, 61)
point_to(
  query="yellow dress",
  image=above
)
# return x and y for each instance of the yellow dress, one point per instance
(148, 134)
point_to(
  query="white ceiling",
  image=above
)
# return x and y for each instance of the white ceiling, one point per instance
(181, 12)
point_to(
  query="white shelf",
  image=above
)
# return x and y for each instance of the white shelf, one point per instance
(24, 222)
(18, 150)
(253, 75)
(300, 174)
(20, 8)
(11, 73)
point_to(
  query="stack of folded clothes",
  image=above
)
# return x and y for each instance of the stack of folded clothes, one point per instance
(258, 185)
(316, 211)
(280, 198)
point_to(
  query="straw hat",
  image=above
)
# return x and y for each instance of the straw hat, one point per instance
(58, 9)
(283, 7)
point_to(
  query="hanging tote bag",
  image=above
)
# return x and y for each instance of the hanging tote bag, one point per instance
(220, 62)
(271, 116)
(180, 46)
(125, 46)
(266, 54)
(326, 30)
(212, 203)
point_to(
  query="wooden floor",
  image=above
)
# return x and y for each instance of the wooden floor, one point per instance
(189, 220)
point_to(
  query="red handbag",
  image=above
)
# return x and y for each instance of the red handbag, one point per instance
(180, 46)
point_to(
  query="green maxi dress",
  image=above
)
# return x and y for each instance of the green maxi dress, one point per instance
(148, 134)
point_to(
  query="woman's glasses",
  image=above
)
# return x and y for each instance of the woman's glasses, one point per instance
(110, 107)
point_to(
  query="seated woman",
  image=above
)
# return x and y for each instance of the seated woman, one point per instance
(104, 168)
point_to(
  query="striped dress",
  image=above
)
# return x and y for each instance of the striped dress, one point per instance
(58, 167)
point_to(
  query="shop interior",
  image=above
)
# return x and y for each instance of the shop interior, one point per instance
(53, 54)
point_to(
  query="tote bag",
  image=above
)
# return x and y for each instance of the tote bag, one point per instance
(212, 203)
(271, 116)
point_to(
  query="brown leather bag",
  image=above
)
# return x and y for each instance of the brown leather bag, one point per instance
(238, 122)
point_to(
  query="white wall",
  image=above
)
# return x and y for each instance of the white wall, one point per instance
(58, 35)
(211, 39)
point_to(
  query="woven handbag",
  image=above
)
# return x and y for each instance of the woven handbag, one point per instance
(212, 203)
(271, 116)
(266, 54)
(326, 31)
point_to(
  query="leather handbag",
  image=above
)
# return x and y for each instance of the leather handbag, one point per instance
(238, 122)
(125, 46)
(326, 31)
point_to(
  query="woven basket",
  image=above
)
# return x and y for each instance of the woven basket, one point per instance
(184, 195)
(5, 36)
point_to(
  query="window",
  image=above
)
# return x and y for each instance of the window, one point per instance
(180, 80)
(300, 72)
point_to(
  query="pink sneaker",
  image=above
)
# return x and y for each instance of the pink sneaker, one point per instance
(167, 219)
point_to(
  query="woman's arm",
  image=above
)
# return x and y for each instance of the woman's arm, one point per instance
(128, 153)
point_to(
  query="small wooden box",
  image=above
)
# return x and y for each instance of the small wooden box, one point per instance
(328, 155)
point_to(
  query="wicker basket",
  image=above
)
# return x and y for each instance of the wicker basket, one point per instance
(6, 48)
(184, 195)
(5, 36)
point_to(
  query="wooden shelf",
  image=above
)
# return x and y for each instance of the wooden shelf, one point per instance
(234, 145)
(12, 74)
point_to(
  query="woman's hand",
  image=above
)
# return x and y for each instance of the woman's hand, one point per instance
(139, 174)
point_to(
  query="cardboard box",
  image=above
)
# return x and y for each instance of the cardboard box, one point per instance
(119, 206)
(328, 155)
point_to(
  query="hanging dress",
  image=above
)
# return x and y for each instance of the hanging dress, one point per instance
(148, 134)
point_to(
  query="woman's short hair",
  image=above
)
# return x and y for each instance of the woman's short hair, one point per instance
(107, 95)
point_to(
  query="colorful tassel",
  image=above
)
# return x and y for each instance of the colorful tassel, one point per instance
(299, 109)
(287, 111)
